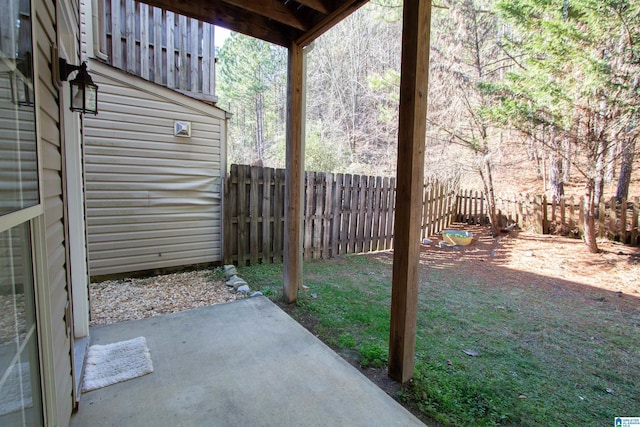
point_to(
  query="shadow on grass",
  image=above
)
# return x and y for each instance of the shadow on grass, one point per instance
(547, 351)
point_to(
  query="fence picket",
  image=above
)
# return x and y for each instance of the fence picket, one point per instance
(355, 214)
(195, 46)
(227, 235)
(254, 203)
(346, 213)
(359, 236)
(308, 223)
(267, 218)
(613, 218)
(130, 36)
(485, 220)
(391, 213)
(433, 215)
(318, 214)
(338, 189)
(327, 214)
(375, 243)
(430, 227)
(425, 208)
(634, 222)
(143, 56)
(170, 55)
(278, 216)
(601, 219)
(623, 220)
(476, 212)
(369, 214)
(384, 211)
(116, 34)
(581, 216)
(242, 215)
(157, 45)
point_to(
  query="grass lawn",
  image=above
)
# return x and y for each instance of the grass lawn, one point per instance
(544, 352)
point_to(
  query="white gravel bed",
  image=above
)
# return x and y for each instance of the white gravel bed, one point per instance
(127, 299)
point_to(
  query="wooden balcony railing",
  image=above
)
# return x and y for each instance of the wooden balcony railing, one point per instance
(160, 46)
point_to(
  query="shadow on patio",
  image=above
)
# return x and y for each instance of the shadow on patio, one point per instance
(245, 363)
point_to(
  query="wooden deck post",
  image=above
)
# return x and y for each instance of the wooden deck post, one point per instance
(294, 177)
(410, 176)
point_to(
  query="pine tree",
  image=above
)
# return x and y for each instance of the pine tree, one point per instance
(252, 85)
(576, 73)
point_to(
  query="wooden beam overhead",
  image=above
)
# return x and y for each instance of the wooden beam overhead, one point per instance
(276, 21)
(414, 80)
(233, 18)
(317, 5)
(342, 11)
(271, 9)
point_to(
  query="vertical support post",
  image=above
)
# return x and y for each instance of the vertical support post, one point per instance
(294, 176)
(410, 177)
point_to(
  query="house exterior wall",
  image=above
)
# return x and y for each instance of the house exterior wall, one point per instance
(154, 200)
(54, 317)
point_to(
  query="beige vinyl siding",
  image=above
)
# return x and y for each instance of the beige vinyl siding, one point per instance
(48, 128)
(154, 200)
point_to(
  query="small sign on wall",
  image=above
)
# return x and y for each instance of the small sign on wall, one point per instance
(182, 128)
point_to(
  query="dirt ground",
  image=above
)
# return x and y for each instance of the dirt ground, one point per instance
(616, 268)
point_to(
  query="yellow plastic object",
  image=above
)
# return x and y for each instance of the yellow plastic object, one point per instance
(457, 237)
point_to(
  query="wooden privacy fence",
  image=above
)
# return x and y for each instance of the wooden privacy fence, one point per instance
(159, 45)
(523, 209)
(616, 221)
(343, 214)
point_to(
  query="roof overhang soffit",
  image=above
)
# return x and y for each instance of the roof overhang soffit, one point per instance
(281, 22)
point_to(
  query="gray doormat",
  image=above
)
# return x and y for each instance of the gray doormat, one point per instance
(117, 362)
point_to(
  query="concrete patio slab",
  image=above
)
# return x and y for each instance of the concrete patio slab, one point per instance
(245, 363)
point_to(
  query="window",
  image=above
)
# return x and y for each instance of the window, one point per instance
(18, 156)
(20, 386)
(20, 374)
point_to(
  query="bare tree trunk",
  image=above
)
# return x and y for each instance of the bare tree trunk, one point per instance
(260, 126)
(626, 167)
(600, 172)
(589, 217)
(556, 176)
(613, 155)
(566, 161)
(544, 175)
(539, 164)
(486, 174)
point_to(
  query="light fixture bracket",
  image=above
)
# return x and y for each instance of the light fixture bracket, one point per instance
(66, 68)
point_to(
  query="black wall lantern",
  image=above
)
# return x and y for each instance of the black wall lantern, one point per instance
(84, 93)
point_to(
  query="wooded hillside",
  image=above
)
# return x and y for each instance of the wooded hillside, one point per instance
(537, 96)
